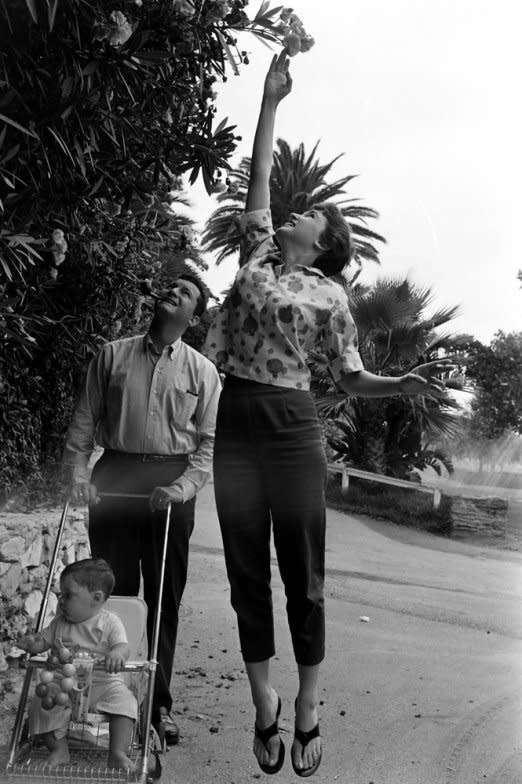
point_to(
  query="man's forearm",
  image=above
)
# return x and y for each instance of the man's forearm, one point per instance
(365, 384)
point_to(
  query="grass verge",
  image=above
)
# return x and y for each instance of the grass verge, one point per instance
(399, 505)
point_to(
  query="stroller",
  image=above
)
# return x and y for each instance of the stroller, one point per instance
(88, 737)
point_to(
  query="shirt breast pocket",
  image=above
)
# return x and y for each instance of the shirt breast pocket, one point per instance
(184, 403)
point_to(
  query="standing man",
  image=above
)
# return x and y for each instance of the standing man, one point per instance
(150, 401)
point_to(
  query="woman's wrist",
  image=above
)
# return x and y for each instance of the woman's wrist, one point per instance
(400, 382)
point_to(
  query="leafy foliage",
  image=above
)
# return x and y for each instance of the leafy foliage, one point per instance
(297, 182)
(104, 105)
(391, 435)
(497, 371)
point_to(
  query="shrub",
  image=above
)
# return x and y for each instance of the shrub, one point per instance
(104, 105)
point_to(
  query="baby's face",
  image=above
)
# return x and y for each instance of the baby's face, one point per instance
(76, 602)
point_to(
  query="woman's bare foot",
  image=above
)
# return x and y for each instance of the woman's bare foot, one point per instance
(265, 716)
(306, 719)
(119, 760)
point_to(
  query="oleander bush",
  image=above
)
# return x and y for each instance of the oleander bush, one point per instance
(104, 106)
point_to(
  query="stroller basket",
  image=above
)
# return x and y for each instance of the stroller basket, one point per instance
(88, 741)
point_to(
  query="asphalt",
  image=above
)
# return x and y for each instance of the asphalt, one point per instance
(425, 691)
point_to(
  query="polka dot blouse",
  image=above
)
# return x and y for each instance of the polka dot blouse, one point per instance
(271, 320)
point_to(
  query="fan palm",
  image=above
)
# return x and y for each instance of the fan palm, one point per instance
(391, 435)
(297, 182)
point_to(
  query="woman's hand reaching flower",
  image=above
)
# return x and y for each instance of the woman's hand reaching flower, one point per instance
(278, 82)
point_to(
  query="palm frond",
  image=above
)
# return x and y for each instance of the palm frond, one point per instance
(298, 181)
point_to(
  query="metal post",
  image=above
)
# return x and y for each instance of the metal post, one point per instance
(39, 626)
(437, 497)
(153, 658)
(345, 482)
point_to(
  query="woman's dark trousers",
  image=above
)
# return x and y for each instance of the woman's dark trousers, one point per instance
(269, 474)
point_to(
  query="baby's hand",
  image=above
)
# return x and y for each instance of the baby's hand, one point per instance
(114, 661)
(30, 643)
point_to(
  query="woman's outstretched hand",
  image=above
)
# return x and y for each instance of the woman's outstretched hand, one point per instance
(423, 379)
(278, 82)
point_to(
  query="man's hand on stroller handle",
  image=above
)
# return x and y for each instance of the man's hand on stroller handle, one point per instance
(83, 493)
(161, 497)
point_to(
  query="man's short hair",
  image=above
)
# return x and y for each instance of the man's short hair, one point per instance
(95, 574)
(337, 238)
(202, 302)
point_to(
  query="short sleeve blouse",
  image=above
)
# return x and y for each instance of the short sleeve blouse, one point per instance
(270, 320)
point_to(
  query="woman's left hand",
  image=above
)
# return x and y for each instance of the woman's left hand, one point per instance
(423, 379)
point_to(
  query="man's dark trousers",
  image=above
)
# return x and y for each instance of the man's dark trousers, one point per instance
(128, 535)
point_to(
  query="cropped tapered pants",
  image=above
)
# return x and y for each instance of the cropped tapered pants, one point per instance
(270, 475)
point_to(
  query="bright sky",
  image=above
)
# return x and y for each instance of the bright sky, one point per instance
(424, 101)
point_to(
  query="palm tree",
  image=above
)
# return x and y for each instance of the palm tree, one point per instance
(297, 182)
(391, 435)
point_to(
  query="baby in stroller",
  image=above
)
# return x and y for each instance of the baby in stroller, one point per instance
(82, 623)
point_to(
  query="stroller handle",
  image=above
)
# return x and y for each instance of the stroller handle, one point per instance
(123, 495)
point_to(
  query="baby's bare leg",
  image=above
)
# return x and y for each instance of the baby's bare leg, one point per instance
(121, 728)
(58, 747)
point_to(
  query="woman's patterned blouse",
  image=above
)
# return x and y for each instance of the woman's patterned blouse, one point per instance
(271, 320)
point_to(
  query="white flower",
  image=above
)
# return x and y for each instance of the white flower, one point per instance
(184, 8)
(292, 44)
(59, 247)
(187, 233)
(121, 29)
(295, 38)
(222, 7)
(296, 26)
(306, 43)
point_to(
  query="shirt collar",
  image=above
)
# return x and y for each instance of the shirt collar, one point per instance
(149, 346)
(276, 261)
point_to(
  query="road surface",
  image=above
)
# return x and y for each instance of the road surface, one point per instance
(428, 691)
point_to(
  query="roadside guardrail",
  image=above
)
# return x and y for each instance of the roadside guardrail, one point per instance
(348, 471)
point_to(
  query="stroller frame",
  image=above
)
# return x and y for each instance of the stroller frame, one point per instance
(19, 768)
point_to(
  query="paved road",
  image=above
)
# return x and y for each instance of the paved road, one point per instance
(427, 692)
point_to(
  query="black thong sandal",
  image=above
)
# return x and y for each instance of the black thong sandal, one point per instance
(304, 739)
(264, 736)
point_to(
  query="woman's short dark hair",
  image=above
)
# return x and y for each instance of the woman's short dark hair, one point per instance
(337, 238)
(95, 574)
(203, 291)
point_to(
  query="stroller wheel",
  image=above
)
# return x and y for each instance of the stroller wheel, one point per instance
(157, 741)
(154, 774)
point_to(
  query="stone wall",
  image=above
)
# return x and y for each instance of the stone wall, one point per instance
(26, 547)
(482, 516)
